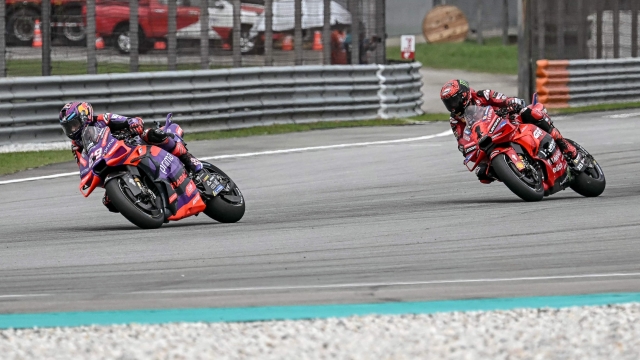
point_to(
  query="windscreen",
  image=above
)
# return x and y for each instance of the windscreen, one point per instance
(90, 137)
(474, 113)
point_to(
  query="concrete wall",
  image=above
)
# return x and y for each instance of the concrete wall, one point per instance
(404, 17)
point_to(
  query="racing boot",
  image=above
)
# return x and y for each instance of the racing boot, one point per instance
(108, 204)
(537, 115)
(161, 139)
(481, 173)
(576, 158)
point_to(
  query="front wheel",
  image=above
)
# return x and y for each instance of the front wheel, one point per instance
(590, 182)
(229, 205)
(142, 211)
(527, 184)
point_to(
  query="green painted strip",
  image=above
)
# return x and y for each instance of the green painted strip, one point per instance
(161, 316)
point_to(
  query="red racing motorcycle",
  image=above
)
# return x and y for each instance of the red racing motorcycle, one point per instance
(524, 157)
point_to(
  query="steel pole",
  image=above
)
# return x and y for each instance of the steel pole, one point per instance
(134, 41)
(172, 45)
(204, 34)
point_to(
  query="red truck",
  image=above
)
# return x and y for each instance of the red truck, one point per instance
(66, 21)
(112, 21)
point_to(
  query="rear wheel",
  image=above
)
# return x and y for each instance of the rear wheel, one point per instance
(141, 210)
(20, 27)
(229, 205)
(526, 184)
(122, 40)
(591, 181)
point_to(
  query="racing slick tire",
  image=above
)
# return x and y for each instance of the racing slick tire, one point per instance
(590, 182)
(117, 194)
(513, 179)
(227, 207)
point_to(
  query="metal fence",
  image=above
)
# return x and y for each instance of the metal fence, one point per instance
(571, 83)
(215, 99)
(98, 36)
(585, 29)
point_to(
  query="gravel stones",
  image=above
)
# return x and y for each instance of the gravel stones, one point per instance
(596, 332)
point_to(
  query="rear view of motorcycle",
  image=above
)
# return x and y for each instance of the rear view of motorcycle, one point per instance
(149, 186)
(525, 158)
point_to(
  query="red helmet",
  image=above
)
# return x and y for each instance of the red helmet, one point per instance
(456, 96)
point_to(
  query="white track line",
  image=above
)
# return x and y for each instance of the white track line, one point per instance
(387, 284)
(22, 296)
(271, 152)
(361, 285)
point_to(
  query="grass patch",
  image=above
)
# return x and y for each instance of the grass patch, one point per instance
(492, 57)
(14, 162)
(594, 108)
(34, 67)
(289, 128)
(18, 161)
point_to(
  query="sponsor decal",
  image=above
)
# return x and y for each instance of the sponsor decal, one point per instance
(520, 165)
(555, 157)
(557, 168)
(514, 157)
(551, 147)
(467, 130)
(469, 149)
(180, 180)
(464, 82)
(496, 135)
(537, 133)
(494, 125)
(217, 190)
(486, 95)
(166, 162)
(140, 150)
(190, 188)
(173, 198)
(466, 137)
(447, 91)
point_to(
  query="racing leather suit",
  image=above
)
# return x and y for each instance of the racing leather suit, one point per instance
(535, 114)
(154, 137)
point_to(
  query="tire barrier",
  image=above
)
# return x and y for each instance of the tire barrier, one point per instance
(214, 99)
(572, 83)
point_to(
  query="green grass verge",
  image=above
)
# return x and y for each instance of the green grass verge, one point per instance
(289, 128)
(14, 162)
(492, 57)
(594, 108)
(34, 68)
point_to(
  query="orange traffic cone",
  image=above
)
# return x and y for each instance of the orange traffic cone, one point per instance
(287, 43)
(99, 42)
(317, 41)
(159, 45)
(37, 35)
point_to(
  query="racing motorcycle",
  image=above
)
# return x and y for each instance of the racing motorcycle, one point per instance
(150, 186)
(524, 157)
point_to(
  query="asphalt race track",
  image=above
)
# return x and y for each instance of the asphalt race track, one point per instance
(398, 221)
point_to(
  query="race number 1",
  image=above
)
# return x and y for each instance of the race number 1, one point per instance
(408, 47)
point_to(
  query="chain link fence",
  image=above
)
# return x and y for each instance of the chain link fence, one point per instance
(109, 36)
(584, 29)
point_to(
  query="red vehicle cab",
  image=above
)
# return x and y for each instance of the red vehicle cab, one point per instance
(112, 21)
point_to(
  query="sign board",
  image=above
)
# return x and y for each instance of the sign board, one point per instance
(408, 47)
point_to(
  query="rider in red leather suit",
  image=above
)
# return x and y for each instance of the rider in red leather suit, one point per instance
(457, 95)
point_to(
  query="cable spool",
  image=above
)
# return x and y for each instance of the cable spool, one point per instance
(445, 23)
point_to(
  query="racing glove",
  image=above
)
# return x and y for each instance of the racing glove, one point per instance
(515, 105)
(136, 125)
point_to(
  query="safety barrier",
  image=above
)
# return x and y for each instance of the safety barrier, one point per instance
(214, 99)
(571, 83)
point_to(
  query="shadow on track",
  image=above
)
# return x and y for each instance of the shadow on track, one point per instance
(131, 227)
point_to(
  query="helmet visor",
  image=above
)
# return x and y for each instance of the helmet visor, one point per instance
(454, 103)
(71, 125)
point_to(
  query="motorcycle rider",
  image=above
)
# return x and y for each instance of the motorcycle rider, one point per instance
(75, 116)
(457, 95)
